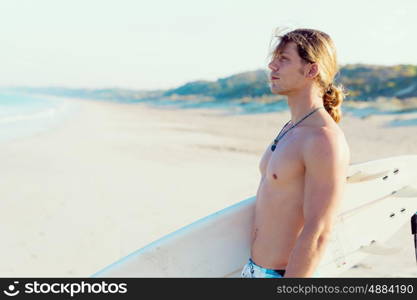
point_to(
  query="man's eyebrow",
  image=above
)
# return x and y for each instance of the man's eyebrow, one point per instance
(282, 54)
(285, 56)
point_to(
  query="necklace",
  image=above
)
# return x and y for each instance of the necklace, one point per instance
(280, 137)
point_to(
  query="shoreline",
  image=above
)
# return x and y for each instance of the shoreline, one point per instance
(16, 124)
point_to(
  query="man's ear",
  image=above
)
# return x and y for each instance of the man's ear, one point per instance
(313, 70)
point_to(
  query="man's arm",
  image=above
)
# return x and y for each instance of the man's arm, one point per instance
(326, 164)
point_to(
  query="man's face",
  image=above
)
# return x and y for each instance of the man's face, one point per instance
(287, 71)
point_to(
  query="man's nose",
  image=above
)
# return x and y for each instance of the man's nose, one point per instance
(273, 66)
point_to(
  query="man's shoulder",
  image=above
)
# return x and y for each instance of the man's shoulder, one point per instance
(325, 142)
(322, 134)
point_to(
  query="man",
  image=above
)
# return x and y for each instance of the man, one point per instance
(304, 170)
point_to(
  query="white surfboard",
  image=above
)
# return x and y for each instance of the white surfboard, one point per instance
(380, 193)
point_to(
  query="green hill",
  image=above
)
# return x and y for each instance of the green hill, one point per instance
(363, 82)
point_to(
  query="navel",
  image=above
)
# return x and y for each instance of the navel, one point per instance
(275, 176)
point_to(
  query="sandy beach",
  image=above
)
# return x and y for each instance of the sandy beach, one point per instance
(115, 177)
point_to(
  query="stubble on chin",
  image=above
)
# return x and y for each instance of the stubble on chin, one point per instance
(277, 90)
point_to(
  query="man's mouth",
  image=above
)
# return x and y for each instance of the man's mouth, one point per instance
(274, 78)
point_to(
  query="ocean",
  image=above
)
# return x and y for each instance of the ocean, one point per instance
(23, 115)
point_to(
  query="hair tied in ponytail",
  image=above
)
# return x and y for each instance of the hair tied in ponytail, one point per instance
(329, 89)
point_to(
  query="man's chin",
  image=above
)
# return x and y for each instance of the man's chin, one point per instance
(278, 92)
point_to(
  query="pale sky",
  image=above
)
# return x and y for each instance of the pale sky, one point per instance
(159, 44)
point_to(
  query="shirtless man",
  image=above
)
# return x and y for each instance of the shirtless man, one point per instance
(304, 177)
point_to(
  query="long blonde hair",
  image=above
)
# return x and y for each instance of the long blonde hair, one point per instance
(314, 46)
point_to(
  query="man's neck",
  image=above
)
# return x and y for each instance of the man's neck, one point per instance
(302, 103)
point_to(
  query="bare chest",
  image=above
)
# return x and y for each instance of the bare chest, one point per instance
(285, 164)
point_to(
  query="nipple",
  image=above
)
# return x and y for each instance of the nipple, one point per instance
(275, 176)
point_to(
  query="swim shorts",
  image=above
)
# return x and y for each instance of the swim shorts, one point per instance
(252, 270)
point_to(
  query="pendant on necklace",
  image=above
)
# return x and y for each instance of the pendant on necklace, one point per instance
(273, 147)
